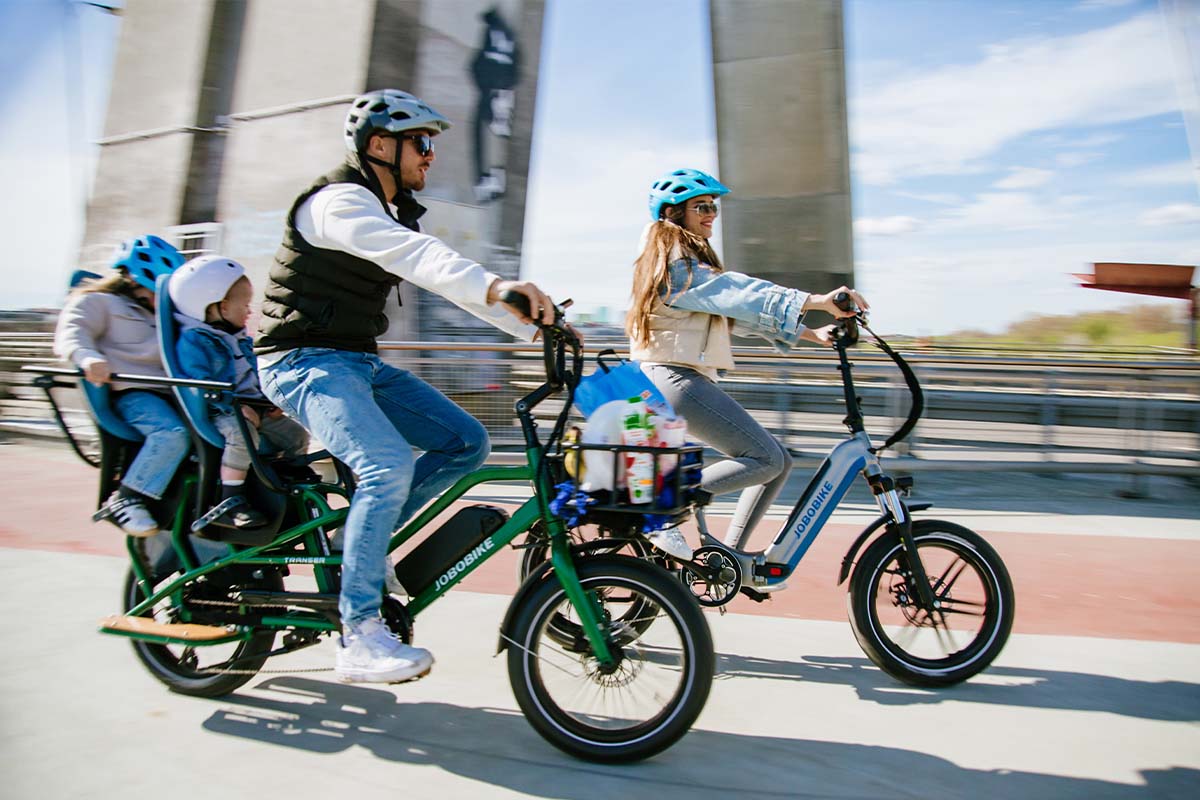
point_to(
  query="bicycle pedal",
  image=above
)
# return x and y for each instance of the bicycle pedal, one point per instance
(758, 597)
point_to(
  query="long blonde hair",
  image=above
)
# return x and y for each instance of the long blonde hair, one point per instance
(651, 270)
(115, 282)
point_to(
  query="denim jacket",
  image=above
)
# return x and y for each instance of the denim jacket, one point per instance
(205, 353)
(757, 307)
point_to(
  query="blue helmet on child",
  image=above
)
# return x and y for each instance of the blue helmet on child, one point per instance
(147, 257)
(680, 185)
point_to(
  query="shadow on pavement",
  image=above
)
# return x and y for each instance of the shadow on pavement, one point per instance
(1170, 701)
(498, 747)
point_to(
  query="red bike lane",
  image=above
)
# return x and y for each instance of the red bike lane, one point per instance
(1066, 584)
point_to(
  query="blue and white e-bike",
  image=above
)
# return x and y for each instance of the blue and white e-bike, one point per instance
(931, 602)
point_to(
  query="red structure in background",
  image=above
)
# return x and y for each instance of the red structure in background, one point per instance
(1156, 280)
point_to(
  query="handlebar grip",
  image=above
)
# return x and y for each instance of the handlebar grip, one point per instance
(520, 302)
(849, 325)
(517, 300)
(844, 301)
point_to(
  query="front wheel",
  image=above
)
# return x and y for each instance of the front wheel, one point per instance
(966, 630)
(564, 629)
(635, 708)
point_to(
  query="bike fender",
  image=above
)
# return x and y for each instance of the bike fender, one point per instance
(852, 552)
(523, 591)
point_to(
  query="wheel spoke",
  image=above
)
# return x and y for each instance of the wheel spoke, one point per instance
(944, 585)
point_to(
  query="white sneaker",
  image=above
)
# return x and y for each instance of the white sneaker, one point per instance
(129, 514)
(370, 653)
(672, 543)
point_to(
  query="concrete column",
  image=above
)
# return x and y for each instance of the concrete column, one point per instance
(780, 89)
(147, 144)
(215, 104)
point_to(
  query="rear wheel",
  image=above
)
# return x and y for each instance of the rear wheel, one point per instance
(961, 635)
(208, 671)
(634, 708)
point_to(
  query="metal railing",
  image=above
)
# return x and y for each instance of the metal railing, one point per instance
(1135, 414)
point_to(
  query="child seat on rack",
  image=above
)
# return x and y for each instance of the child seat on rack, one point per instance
(262, 481)
(119, 441)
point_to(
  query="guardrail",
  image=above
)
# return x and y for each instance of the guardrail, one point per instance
(1131, 414)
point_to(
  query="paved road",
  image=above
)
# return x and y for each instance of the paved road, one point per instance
(1094, 696)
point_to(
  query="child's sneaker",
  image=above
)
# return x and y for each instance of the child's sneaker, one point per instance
(370, 653)
(128, 513)
(671, 542)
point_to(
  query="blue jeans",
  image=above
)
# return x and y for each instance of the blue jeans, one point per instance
(370, 416)
(167, 440)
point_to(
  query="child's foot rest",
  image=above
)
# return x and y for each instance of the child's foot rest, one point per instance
(178, 630)
(228, 504)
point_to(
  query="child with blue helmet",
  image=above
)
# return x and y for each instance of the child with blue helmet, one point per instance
(685, 307)
(107, 326)
(212, 296)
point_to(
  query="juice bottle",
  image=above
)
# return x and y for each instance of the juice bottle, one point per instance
(639, 467)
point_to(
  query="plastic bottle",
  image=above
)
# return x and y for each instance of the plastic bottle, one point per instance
(639, 467)
(669, 433)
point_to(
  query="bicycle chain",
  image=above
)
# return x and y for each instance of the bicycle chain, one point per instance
(252, 671)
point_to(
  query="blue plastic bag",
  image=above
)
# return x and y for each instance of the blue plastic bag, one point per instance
(619, 382)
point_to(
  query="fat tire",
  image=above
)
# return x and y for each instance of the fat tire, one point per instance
(988, 642)
(165, 667)
(563, 630)
(653, 736)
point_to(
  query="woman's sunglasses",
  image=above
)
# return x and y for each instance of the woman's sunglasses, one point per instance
(704, 209)
(422, 141)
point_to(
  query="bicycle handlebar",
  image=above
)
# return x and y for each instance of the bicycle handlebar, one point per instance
(847, 334)
(556, 337)
(847, 326)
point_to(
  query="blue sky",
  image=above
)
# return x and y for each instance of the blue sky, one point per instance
(997, 146)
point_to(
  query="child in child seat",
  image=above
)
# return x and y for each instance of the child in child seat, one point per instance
(212, 301)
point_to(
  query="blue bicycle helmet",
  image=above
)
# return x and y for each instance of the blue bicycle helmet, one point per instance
(147, 257)
(680, 185)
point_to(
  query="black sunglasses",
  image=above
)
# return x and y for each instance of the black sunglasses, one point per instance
(423, 142)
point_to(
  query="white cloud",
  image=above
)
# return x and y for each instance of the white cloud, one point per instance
(947, 120)
(1179, 172)
(1005, 211)
(886, 226)
(917, 288)
(940, 198)
(1091, 140)
(1099, 5)
(1024, 178)
(1077, 159)
(1174, 214)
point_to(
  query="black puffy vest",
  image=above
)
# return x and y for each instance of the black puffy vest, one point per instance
(327, 298)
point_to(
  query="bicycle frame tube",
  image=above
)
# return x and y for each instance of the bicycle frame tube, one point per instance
(828, 486)
(518, 523)
(252, 555)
